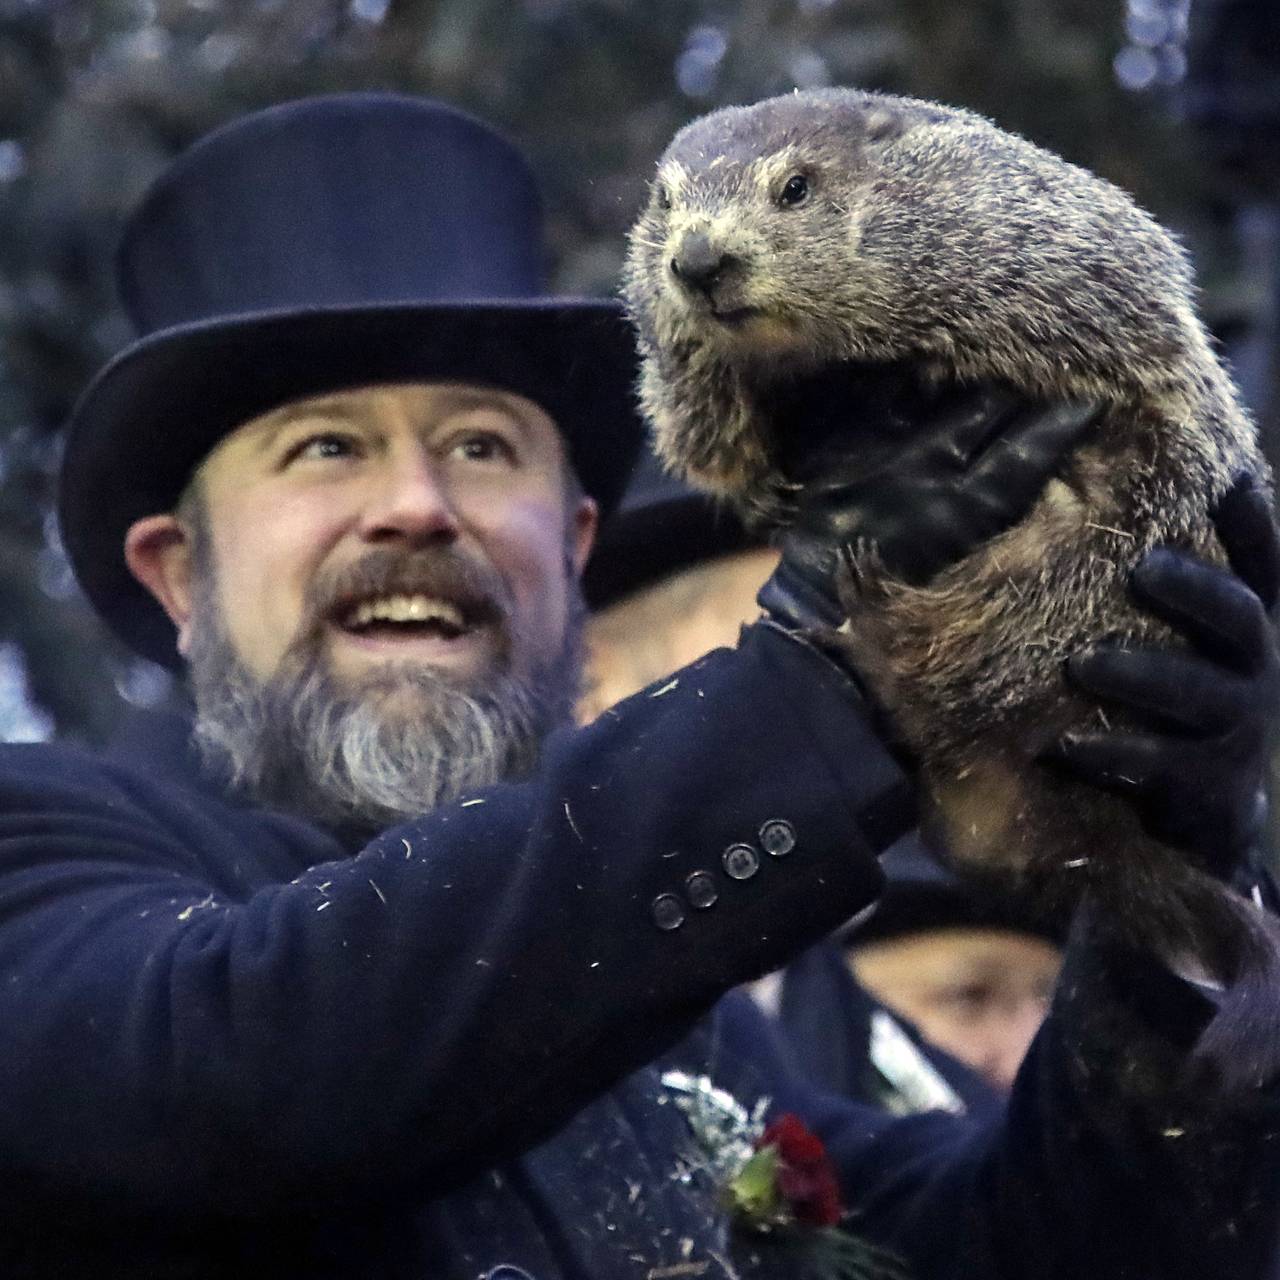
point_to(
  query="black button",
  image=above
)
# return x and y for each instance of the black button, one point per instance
(668, 911)
(741, 861)
(778, 837)
(700, 889)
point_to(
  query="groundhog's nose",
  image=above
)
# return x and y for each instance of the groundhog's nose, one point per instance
(700, 264)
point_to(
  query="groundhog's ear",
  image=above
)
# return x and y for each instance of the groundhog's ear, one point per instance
(883, 124)
(157, 550)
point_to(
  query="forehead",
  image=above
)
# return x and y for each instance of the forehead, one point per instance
(408, 406)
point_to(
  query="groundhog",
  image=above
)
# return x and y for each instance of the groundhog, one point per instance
(838, 231)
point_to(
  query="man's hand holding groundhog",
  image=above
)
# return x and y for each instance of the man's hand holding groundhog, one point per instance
(972, 468)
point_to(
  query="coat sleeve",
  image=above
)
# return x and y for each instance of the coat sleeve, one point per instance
(1111, 1161)
(451, 994)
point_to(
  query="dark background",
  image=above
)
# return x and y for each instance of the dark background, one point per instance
(1175, 101)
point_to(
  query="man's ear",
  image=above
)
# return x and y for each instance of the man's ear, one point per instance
(157, 550)
(586, 520)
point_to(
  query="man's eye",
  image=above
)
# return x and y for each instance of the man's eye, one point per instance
(484, 446)
(324, 445)
(967, 1001)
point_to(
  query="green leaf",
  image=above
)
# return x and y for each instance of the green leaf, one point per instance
(753, 1192)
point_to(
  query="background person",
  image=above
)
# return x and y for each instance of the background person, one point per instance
(971, 972)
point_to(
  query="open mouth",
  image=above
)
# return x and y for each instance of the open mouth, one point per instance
(405, 616)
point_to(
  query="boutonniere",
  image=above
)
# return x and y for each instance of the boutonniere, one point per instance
(778, 1183)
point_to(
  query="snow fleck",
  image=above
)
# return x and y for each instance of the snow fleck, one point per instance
(573, 825)
(325, 903)
(382, 897)
(466, 804)
(408, 848)
(666, 688)
(194, 907)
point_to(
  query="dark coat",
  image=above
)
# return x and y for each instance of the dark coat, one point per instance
(234, 1047)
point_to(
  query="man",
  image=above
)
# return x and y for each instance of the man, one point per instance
(357, 459)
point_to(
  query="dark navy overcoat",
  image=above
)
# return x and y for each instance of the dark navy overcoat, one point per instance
(233, 1045)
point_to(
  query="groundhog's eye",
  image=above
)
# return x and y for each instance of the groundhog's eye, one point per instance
(661, 196)
(794, 191)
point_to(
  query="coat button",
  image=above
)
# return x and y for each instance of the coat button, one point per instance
(668, 911)
(778, 837)
(741, 861)
(700, 889)
(506, 1271)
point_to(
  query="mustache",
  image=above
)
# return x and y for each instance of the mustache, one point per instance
(475, 588)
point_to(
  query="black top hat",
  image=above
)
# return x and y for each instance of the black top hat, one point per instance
(331, 242)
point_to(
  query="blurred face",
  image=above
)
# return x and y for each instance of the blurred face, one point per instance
(980, 994)
(670, 624)
(377, 592)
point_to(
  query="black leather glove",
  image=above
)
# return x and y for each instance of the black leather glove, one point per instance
(968, 467)
(1197, 775)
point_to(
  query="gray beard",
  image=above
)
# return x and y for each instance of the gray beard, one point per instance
(331, 752)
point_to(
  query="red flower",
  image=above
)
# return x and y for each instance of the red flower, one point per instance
(806, 1180)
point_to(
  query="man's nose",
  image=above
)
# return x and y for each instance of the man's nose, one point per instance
(409, 501)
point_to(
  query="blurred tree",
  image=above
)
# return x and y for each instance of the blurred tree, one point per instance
(97, 95)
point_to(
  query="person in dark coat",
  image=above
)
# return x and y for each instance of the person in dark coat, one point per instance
(431, 986)
(965, 974)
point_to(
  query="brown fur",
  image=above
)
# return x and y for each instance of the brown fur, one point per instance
(931, 237)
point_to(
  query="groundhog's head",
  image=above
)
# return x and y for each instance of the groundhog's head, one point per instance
(838, 226)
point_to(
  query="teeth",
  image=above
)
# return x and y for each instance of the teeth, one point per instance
(402, 608)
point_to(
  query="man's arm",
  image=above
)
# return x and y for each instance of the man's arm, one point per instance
(180, 1033)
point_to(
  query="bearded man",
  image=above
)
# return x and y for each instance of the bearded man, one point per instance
(406, 983)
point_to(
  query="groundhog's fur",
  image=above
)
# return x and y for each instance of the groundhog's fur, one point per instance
(932, 239)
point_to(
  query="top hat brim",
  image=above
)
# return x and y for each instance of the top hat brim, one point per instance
(922, 894)
(640, 547)
(146, 422)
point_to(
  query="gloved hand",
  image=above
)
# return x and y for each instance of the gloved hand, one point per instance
(1197, 774)
(965, 472)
